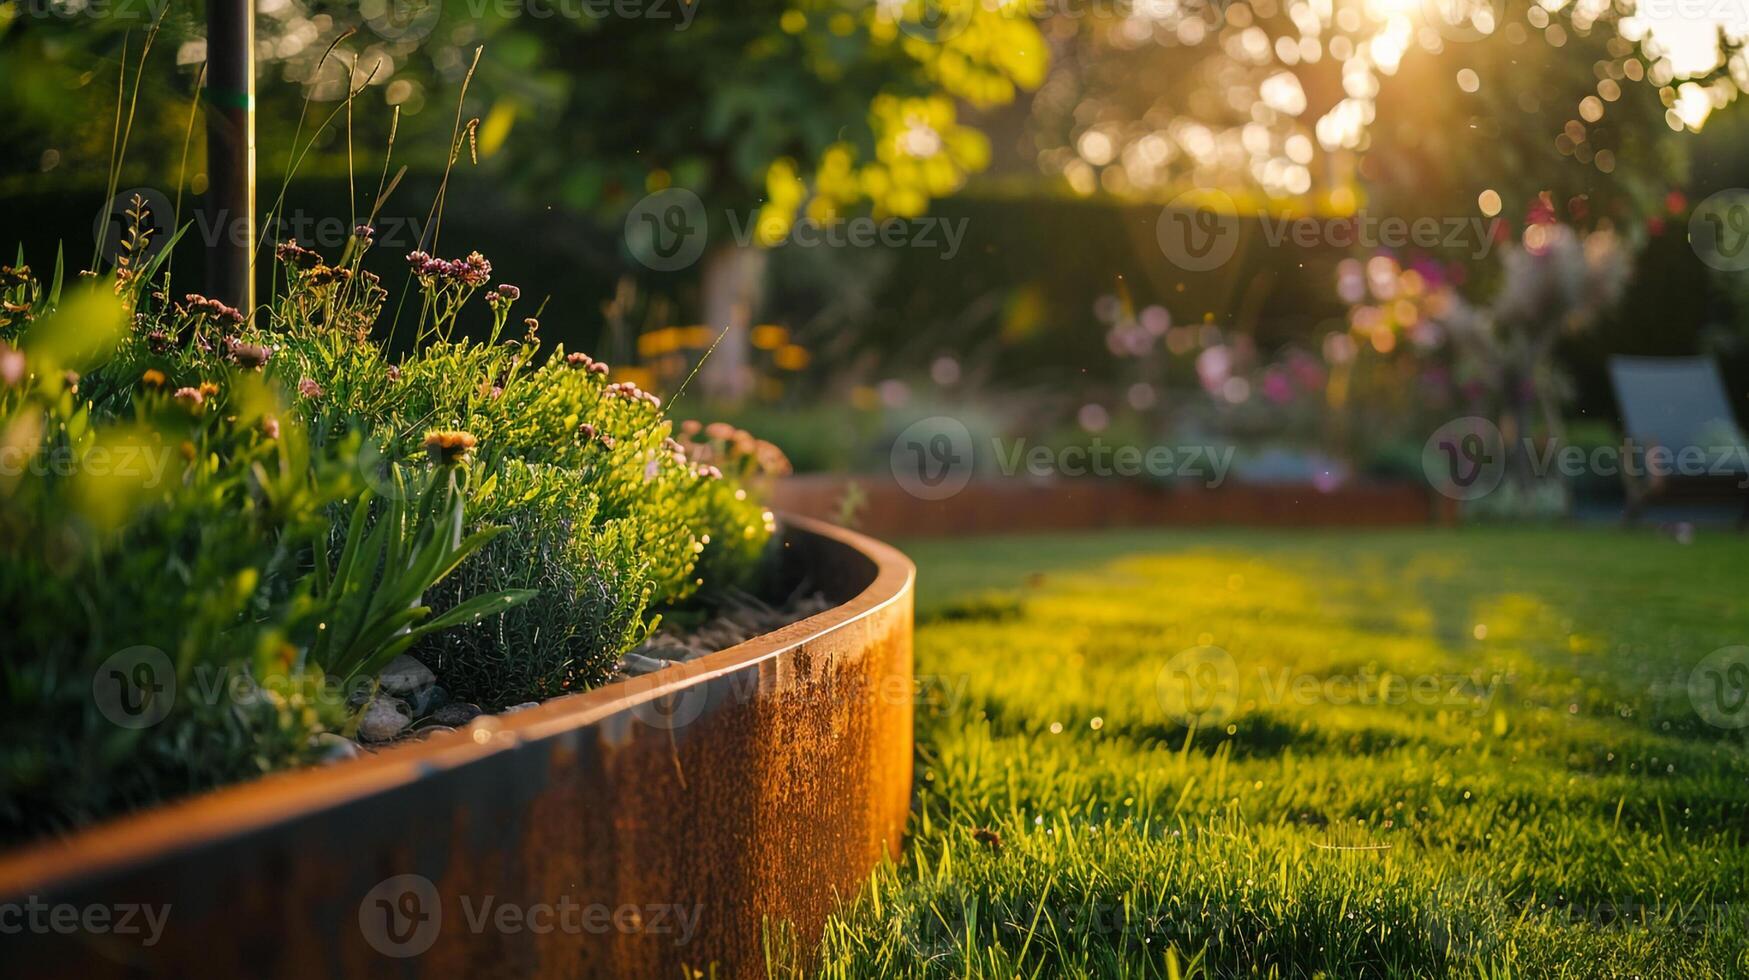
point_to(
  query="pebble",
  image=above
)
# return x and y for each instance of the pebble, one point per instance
(383, 719)
(404, 675)
(427, 700)
(637, 664)
(742, 620)
(524, 706)
(431, 730)
(334, 748)
(456, 715)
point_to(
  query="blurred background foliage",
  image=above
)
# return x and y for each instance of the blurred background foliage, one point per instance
(1049, 134)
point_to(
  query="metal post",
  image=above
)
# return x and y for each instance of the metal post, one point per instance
(230, 149)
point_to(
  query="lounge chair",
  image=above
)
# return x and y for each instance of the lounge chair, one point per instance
(1675, 411)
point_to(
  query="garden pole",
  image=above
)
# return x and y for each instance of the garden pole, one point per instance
(230, 149)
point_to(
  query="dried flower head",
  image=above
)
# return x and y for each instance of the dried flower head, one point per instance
(449, 446)
(309, 388)
(290, 253)
(194, 304)
(249, 357)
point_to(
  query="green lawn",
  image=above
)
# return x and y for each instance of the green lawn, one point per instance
(1421, 753)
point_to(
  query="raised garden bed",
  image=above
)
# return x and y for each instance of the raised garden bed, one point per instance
(998, 506)
(664, 823)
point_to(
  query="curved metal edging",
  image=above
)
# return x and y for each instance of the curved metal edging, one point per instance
(641, 829)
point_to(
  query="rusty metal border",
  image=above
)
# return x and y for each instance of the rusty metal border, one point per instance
(749, 789)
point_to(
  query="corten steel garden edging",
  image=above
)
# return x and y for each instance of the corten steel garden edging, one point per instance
(638, 830)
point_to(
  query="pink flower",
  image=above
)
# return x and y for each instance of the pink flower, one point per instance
(1276, 386)
(309, 388)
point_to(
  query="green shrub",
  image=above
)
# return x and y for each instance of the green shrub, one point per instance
(311, 510)
(594, 591)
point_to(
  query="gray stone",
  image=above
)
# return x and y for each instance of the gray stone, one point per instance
(524, 706)
(404, 675)
(331, 747)
(455, 715)
(431, 730)
(427, 700)
(636, 664)
(383, 719)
